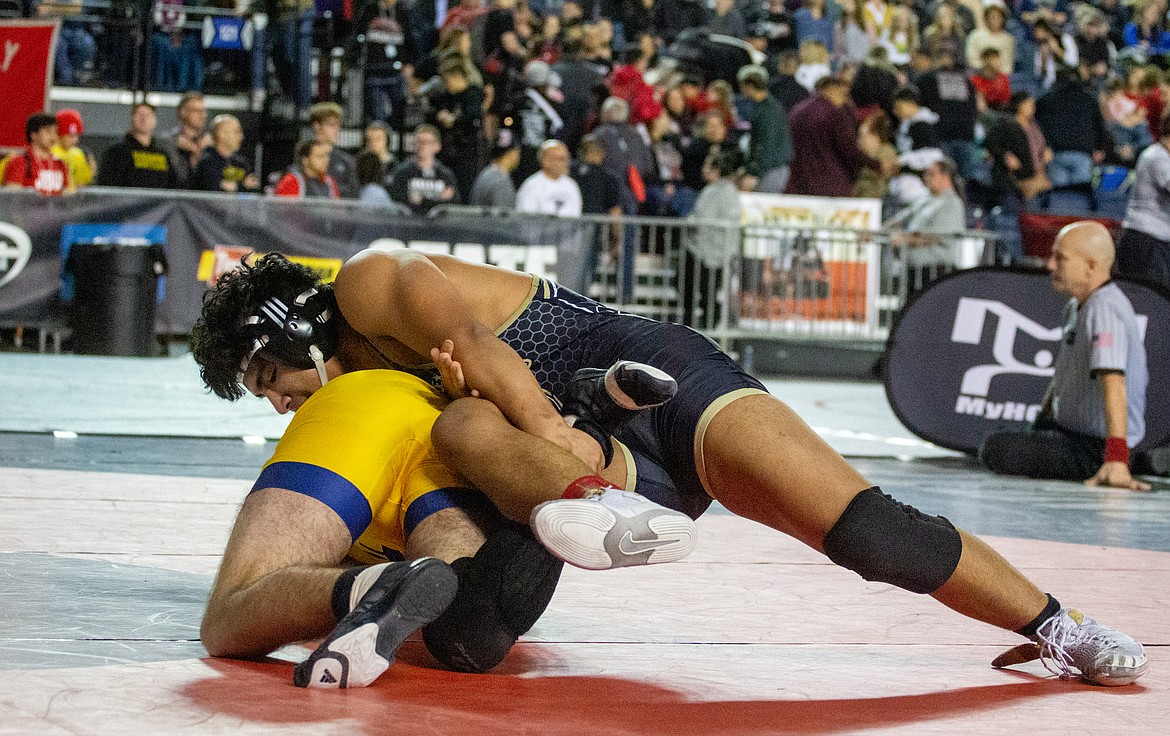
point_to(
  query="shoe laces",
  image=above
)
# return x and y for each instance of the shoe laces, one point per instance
(1065, 635)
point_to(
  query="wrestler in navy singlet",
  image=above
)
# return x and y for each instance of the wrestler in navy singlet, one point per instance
(560, 331)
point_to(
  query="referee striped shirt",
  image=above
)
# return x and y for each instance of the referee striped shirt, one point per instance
(1101, 334)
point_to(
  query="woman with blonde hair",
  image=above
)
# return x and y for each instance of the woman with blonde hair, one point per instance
(901, 38)
(944, 34)
(855, 40)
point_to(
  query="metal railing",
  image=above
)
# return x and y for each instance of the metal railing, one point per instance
(771, 280)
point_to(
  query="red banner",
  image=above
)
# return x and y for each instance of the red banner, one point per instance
(26, 73)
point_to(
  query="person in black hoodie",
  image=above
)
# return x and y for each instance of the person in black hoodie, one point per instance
(784, 87)
(422, 182)
(875, 83)
(947, 91)
(387, 56)
(1070, 117)
(138, 160)
(458, 114)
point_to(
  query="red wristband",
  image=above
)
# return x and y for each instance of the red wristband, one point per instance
(1116, 450)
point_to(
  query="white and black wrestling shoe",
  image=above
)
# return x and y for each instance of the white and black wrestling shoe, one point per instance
(598, 401)
(609, 527)
(404, 598)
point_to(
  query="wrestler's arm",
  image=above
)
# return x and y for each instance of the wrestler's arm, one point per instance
(404, 296)
(276, 579)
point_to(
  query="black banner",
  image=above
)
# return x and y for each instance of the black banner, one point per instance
(202, 234)
(974, 353)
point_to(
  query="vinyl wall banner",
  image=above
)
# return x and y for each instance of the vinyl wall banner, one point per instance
(805, 261)
(204, 235)
(26, 73)
(974, 353)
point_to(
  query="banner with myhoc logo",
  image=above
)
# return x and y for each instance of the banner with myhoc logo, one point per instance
(805, 259)
(975, 351)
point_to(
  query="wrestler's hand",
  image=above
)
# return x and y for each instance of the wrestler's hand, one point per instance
(586, 449)
(1116, 475)
(451, 372)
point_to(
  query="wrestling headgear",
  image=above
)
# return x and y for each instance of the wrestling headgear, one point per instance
(302, 334)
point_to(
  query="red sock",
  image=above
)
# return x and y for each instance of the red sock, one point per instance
(584, 485)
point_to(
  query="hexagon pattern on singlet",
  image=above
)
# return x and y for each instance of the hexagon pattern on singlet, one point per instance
(547, 332)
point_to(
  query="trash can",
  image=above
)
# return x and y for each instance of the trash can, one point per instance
(115, 292)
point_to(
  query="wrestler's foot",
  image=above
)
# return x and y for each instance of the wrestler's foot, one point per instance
(407, 596)
(602, 400)
(1103, 656)
(610, 527)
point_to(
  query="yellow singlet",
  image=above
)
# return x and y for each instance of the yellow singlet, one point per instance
(362, 446)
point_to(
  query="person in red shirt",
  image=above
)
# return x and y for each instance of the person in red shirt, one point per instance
(37, 168)
(992, 84)
(309, 177)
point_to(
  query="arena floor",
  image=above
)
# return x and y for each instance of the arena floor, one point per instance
(109, 539)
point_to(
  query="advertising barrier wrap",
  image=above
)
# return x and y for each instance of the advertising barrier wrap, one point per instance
(203, 236)
(974, 353)
(806, 260)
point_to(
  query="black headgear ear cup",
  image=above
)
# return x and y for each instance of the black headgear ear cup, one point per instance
(293, 331)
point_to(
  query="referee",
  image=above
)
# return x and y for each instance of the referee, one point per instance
(1094, 410)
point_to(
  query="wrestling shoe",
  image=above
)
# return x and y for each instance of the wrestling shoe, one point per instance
(1103, 656)
(601, 400)
(406, 597)
(609, 527)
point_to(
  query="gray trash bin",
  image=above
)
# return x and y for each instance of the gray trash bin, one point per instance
(115, 293)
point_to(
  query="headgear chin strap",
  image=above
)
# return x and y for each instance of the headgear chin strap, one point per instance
(302, 335)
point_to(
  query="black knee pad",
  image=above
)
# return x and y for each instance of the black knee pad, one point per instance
(503, 590)
(889, 542)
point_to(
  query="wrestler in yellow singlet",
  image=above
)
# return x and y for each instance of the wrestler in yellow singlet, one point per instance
(362, 446)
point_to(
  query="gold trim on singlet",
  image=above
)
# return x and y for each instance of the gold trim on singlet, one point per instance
(631, 468)
(705, 420)
(537, 283)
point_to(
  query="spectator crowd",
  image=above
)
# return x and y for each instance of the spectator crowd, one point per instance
(568, 106)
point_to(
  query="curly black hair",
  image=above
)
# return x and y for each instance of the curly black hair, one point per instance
(217, 341)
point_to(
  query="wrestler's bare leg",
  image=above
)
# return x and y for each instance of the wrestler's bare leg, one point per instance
(285, 554)
(517, 470)
(802, 486)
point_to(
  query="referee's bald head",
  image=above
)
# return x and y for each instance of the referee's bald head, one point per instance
(1090, 239)
(1082, 259)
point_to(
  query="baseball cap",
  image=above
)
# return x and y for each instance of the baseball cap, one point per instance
(69, 123)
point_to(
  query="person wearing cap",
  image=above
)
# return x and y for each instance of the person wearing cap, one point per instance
(80, 163)
(493, 186)
(770, 141)
(539, 114)
(37, 168)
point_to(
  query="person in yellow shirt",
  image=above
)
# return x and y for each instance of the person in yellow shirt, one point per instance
(80, 163)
